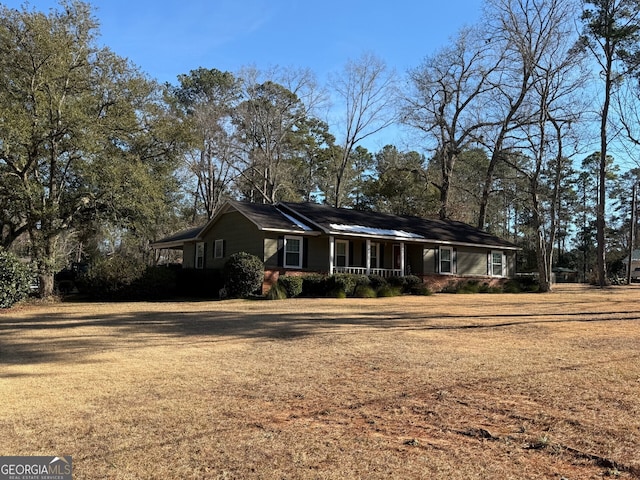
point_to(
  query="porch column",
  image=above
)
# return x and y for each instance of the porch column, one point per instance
(368, 262)
(402, 260)
(332, 254)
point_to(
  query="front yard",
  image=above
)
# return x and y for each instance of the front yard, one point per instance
(448, 386)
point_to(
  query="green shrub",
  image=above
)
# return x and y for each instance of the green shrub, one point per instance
(15, 279)
(420, 289)
(344, 282)
(314, 285)
(388, 291)
(199, 282)
(520, 285)
(276, 292)
(364, 291)
(469, 286)
(243, 275)
(291, 284)
(156, 283)
(111, 278)
(337, 294)
(398, 282)
(412, 281)
(376, 281)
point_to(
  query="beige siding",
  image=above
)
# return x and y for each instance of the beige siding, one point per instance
(429, 260)
(472, 261)
(318, 254)
(271, 252)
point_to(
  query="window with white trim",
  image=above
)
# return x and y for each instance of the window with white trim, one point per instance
(342, 253)
(446, 260)
(199, 260)
(293, 252)
(375, 255)
(497, 264)
(218, 248)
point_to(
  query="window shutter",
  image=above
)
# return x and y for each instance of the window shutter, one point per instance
(280, 251)
(381, 253)
(224, 248)
(454, 261)
(436, 256)
(204, 257)
(350, 259)
(489, 264)
(305, 252)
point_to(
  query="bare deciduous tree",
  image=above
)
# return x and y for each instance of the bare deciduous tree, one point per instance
(267, 120)
(446, 102)
(611, 35)
(365, 89)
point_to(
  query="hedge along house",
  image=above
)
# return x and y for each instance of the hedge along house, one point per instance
(297, 238)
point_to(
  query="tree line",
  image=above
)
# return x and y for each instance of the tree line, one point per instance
(96, 157)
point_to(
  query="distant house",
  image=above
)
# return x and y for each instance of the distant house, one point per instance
(295, 238)
(635, 260)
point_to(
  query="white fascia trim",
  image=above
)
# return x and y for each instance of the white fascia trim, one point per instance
(168, 245)
(306, 233)
(303, 217)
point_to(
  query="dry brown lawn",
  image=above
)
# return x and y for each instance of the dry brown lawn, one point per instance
(526, 386)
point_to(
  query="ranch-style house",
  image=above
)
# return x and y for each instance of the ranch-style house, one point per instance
(296, 238)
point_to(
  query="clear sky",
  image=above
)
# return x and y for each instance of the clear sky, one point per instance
(165, 38)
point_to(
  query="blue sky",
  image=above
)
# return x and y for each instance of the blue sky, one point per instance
(167, 37)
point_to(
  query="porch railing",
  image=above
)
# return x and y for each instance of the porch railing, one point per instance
(383, 272)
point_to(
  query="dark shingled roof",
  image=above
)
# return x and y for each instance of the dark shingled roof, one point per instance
(448, 231)
(269, 217)
(178, 238)
(313, 218)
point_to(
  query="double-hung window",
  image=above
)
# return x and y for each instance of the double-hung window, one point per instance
(199, 259)
(446, 260)
(342, 253)
(497, 264)
(218, 248)
(293, 252)
(375, 255)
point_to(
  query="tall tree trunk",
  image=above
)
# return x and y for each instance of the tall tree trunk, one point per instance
(488, 184)
(602, 176)
(448, 163)
(44, 249)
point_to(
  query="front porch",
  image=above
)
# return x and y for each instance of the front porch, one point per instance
(367, 257)
(382, 272)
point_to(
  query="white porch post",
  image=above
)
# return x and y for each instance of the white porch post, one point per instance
(402, 259)
(368, 265)
(331, 254)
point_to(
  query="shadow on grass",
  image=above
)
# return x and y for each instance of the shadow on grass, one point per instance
(58, 338)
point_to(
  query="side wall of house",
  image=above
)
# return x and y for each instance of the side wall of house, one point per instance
(189, 255)
(472, 261)
(315, 253)
(469, 261)
(238, 235)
